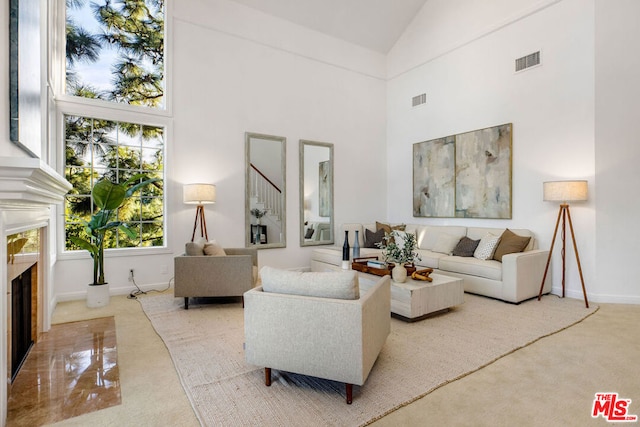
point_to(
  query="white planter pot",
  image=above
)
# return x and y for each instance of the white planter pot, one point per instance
(98, 296)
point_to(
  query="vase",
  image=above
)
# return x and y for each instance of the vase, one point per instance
(399, 273)
(97, 295)
(256, 237)
(356, 247)
(345, 251)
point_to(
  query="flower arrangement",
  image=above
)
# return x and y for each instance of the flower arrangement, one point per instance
(258, 213)
(399, 247)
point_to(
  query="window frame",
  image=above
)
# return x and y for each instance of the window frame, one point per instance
(65, 104)
(71, 108)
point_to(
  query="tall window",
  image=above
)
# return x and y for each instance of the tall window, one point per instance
(98, 149)
(115, 50)
(114, 53)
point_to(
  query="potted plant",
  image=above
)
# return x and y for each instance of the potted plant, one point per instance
(399, 248)
(108, 197)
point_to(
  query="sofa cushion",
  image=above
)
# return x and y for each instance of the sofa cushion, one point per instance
(429, 259)
(466, 247)
(445, 243)
(339, 285)
(489, 269)
(213, 249)
(428, 235)
(510, 243)
(486, 247)
(194, 249)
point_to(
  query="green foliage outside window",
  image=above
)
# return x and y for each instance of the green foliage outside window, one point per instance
(125, 38)
(98, 149)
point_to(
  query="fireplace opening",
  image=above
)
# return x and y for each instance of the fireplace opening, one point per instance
(21, 316)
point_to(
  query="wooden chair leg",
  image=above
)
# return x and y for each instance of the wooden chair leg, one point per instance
(349, 388)
(267, 376)
(186, 303)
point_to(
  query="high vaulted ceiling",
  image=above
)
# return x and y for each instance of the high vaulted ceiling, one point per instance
(374, 24)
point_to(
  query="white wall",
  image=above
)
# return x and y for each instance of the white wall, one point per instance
(617, 149)
(470, 83)
(237, 70)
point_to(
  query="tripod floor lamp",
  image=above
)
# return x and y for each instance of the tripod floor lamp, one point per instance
(563, 192)
(200, 195)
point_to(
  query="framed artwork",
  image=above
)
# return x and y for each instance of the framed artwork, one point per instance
(464, 176)
(434, 178)
(324, 194)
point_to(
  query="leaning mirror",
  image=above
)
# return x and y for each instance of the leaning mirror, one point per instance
(316, 193)
(265, 200)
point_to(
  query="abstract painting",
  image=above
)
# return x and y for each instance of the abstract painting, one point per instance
(324, 195)
(465, 176)
(434, 178)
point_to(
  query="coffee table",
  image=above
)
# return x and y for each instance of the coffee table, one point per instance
(416, 299)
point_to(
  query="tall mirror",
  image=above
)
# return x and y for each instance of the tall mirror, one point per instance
(316, 193)
(265, 195)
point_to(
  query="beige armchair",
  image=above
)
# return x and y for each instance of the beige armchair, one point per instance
(215, 276)
(331, 338)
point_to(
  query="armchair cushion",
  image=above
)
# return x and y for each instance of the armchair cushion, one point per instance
(339, 285)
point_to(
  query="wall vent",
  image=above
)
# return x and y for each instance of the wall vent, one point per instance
(528, 61)
(419, 100)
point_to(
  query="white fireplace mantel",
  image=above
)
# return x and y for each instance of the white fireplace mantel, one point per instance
(27, 181)
(29, 190)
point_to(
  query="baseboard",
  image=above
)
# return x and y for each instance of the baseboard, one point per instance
(598, 298)
(119, 290)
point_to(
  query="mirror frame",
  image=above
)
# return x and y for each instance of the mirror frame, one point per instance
(331, 241)
(247, 202)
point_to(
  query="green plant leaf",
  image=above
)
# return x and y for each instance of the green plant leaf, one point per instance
(107, 195)
(93, 249)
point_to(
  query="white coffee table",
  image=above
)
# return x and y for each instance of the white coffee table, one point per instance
(415, 299)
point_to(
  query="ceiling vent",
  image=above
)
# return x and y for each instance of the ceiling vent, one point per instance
(528, 61)
(419, 100)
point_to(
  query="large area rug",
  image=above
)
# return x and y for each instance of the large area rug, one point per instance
(206, 344)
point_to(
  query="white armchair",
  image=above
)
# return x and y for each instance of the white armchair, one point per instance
(325, 337)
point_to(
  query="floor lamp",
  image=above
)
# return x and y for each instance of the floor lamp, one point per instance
(564, 191)
(200, 195)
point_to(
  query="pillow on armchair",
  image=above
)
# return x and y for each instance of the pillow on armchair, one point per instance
(339, 285)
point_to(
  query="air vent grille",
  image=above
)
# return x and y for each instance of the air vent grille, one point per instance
(419, 100)
(528, 61)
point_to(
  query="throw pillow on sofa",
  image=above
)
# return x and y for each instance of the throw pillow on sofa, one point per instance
(510, 243)
(371, 238)
(338, 285)
(486, 247)
(194, 249)
(466, 247)
(213, 249)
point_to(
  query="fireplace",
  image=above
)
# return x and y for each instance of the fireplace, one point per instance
(31, 196)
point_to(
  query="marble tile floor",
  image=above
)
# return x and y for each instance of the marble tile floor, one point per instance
(72, 370)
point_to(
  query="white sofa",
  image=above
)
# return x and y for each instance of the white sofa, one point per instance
(515, 279)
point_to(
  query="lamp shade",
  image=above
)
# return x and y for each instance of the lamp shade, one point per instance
(564, 191)
(199, 194)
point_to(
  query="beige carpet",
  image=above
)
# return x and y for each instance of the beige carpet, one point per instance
(205, 343)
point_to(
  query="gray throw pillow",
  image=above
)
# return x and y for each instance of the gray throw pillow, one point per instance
(371, 238)
(465, 247)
